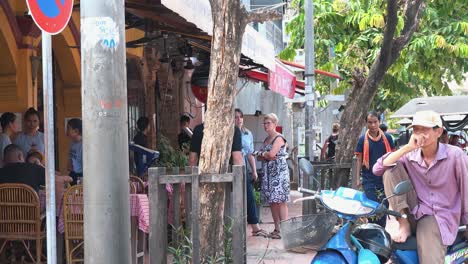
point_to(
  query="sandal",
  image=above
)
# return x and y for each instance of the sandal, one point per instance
(260, 232)
(275, 234)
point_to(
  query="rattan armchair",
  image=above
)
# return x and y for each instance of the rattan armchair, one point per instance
(20, 217)
(133, 188)
(139, 184)
(73, 221)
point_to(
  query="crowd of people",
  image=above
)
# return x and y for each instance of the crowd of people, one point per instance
(275, 180)
(22, 152)
(432, 160)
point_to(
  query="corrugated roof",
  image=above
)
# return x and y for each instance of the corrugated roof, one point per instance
(444, 105)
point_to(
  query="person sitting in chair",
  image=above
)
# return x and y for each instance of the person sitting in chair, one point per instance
(16, 170)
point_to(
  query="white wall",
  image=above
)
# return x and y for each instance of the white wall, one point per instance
(253, 97)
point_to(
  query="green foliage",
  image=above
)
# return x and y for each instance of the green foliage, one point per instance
(436, 54)
(181, 248)
(258, 199)
(169, 157)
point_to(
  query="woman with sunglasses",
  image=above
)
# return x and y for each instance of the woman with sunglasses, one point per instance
(275, 181)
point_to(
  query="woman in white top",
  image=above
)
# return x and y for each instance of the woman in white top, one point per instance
(9, 129)
(31, 138)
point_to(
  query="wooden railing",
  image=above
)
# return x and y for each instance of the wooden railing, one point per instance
(234, 208)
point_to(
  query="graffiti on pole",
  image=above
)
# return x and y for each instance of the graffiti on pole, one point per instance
(103, 31)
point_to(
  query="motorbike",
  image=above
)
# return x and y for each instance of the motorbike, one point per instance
(370, 243)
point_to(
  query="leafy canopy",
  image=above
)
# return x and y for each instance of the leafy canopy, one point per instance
(353, 29)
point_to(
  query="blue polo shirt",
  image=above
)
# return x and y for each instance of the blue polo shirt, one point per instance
(376, 150)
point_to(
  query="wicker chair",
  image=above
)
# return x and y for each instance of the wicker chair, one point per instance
(20, 217)
(133, 188)
(139, 184)
(73, 221)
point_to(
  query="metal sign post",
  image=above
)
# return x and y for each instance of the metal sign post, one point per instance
(51, 17)
(49, 146)
(310, 79)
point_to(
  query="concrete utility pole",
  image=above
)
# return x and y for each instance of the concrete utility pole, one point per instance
(105, 132)
(310, 79)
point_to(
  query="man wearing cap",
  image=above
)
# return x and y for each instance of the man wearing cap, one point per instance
(439, 174)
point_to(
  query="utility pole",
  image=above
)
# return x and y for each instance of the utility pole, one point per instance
(105, 132)
(310, 79)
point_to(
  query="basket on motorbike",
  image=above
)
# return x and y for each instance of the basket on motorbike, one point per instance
(311, 230)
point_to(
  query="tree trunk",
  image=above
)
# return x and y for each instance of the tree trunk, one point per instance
(229, 22)
(364, 89)
(351, 123)
(219, 123)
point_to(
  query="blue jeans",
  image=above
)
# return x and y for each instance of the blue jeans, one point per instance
(376, 194)
(252, 217)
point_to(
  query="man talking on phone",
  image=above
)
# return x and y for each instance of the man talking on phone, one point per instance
(439, 174)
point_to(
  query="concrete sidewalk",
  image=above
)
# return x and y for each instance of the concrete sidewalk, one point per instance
(264, 250)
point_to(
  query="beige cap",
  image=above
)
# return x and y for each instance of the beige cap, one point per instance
(426, 119)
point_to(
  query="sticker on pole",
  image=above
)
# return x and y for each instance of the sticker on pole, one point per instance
(101, 30)
(51, 16)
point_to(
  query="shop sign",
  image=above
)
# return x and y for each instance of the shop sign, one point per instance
(282, 80)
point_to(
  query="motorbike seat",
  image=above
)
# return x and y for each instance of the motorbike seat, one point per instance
(458, 241)
(410, 244)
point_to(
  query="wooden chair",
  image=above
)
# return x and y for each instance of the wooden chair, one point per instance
(139, 184)
(20, 217)
(73, 221)
(133, 188)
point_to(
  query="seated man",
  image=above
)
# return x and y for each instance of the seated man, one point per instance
(439, 202)
(16, 170)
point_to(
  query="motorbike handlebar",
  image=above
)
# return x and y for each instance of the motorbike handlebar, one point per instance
(304, 190)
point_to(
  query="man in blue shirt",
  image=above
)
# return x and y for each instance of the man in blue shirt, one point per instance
(371, 146)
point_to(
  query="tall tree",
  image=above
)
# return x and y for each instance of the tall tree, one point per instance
(406, 48)
(229, 22)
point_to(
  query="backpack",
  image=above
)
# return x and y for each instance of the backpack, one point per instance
(331, 146)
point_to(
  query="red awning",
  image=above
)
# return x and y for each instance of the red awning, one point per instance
(317, 71)
(263, 76)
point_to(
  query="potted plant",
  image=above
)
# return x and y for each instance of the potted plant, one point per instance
(170, 157)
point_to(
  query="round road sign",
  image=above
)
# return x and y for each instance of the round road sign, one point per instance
(51, 16)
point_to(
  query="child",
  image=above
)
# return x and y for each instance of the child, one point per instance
(35, 157)
(75, 160)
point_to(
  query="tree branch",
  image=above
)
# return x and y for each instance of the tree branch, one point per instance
(261, 17)
(413, 13)
(390, 28)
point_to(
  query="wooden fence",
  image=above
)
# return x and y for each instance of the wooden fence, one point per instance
(235, 208)
(324, 176)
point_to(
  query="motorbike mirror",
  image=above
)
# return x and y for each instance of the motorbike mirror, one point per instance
(308, 169)
(365, 255)
(402, 188)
